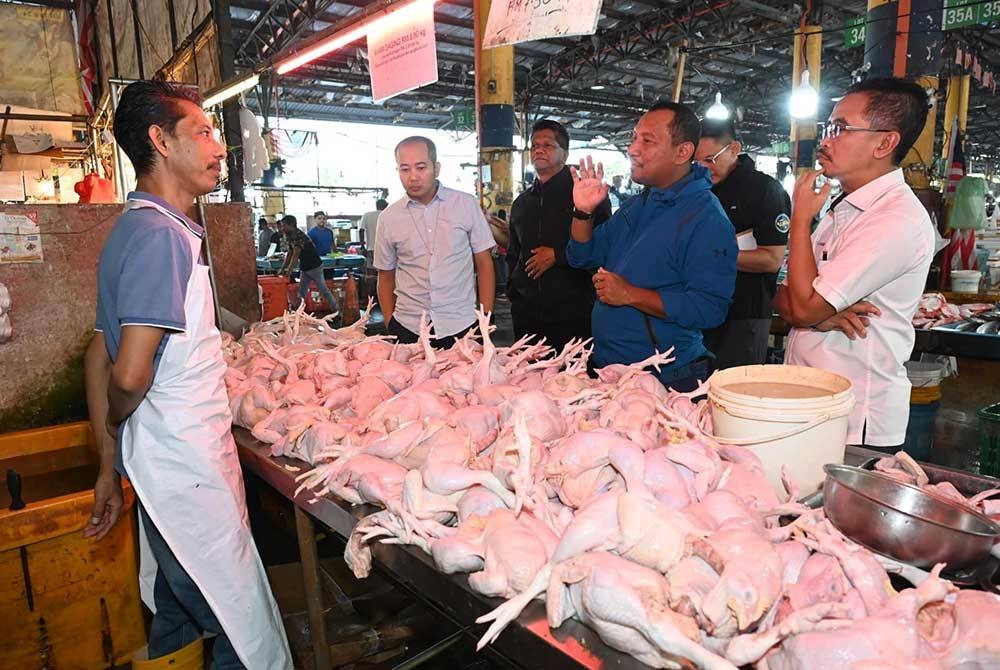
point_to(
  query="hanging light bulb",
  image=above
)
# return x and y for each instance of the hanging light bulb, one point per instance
(805, 100)
(717, 110)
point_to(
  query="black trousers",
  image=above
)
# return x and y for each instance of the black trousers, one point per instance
(739, 342)
(406, 336)
(556, 333)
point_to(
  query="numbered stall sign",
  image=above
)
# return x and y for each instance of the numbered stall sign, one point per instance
(854, 36)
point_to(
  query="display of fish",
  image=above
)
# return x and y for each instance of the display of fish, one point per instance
(989, 328)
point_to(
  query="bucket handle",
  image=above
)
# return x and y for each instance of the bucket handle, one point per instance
(770, 438)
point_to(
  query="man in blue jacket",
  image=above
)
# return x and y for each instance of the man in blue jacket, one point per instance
(666, 261)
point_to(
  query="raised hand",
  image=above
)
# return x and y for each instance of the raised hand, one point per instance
(589, 189)
(806, 201)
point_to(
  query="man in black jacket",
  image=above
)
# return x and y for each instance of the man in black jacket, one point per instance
(547, 296)
(759, 208)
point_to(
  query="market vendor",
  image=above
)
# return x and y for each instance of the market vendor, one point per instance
(666, 260)
(759, 208)
(154, 376)
(854, 285)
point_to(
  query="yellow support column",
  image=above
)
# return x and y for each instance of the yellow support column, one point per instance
(918, 162)
(963, 102)
(494, 106)
(807, 52)
(956, 107)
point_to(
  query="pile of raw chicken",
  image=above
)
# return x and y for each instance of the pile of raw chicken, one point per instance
(935, 310)
(607, 498)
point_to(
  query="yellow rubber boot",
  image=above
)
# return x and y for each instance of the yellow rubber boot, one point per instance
(185, 658)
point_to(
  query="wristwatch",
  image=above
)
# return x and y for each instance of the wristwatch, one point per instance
(582, 215)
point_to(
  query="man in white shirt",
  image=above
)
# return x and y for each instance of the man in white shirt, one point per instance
(853, 287)
(426, 245)
(368, 225)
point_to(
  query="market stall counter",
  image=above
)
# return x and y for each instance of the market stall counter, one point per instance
(528, 642)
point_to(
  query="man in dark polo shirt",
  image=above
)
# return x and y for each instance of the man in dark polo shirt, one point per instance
(759, 207)
(548, 298)
(302, 249)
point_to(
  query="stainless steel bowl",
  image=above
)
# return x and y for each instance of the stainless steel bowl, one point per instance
(903, 521)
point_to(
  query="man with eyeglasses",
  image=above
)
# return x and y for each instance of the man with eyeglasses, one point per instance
(548, 298)
(666, 260)
(854, 285)
(759, 209)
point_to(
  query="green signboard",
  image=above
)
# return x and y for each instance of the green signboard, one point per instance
(463, 118)
(854, 36)
(781, 148)
(962, 13)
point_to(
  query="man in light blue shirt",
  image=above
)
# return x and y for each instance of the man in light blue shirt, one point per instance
(426, 246)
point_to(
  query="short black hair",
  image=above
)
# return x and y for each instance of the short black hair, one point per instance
(319, 212)
(723, 130)
(381, 204)
(895, 104)
(144, 104)
(502, 214)
(562, 136)
(685, 127)
(262, 221)
(432, 151)
(289, 220)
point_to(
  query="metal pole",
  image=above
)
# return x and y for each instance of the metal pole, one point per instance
(211, 267)
(681, 62)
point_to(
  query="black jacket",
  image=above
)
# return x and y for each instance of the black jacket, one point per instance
(754, 201)
(542, 216)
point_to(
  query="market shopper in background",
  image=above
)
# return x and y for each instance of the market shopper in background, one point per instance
(759, 209)
(301, 248)
(154, 375)
(548, 298)
(426, 247)
(854, 286)
(263, 237)
(321, 235)
(666, 261)
(369, 226)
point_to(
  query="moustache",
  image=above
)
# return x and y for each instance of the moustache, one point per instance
(823, 153)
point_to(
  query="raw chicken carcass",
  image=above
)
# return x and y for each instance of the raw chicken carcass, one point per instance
(627, 604)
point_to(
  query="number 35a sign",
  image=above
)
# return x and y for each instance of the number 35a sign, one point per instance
(961, 13)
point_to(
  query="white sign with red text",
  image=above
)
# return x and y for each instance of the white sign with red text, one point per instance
(402, 52)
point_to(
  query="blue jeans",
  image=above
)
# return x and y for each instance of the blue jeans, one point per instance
(182, 613)
(316, 275)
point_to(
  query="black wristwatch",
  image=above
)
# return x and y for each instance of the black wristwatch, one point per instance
(582, 215)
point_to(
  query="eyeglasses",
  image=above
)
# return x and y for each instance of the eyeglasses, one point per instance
(712, 159)
(833, 129)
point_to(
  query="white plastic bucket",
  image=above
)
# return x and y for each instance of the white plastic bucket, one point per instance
(965, 281)
(922, 373)
(788, 415)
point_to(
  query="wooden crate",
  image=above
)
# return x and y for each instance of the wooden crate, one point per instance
(84, 594)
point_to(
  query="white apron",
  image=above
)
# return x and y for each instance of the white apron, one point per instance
(181, 459)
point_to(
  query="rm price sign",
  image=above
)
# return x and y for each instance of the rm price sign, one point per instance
(962, 13)
(854, 36)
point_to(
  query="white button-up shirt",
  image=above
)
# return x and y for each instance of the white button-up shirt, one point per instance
(430, 247)
(876, 245)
